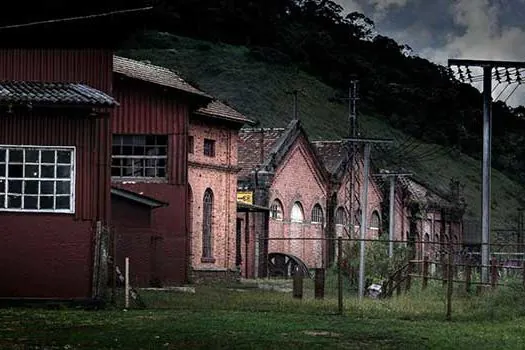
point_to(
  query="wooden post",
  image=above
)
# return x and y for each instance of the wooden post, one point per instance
(425, 273)
(450, 282)
(297, 285)
(445, 271)
(409, 278)
(398, 281)
(126, 283)
(523, 273)
(468, 277)
(494, 272)
(319, 283)
(113, 272)
(340, 275)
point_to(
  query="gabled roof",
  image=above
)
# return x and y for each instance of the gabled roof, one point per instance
(49, 94)
(331, 153)
(218, 109)
(153, 74)
(275, 145)
(255, 144)
(420, 193)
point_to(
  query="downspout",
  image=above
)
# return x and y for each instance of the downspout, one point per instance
(228, 205)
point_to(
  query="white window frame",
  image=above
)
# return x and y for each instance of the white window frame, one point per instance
(297, 208)
(375, 228)
(318, 207)
(275, 209)
(72, 178)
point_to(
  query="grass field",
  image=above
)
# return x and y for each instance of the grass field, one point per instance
(237, 317)
(262, 91)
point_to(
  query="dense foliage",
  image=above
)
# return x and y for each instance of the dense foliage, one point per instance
(414, 94)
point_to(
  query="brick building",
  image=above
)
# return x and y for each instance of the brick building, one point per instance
(284, 172)
(212, 148)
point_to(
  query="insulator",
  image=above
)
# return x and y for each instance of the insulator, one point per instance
(507, 76)
(498, 77)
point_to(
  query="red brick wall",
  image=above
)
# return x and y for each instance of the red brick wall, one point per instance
(218, 174)
(297, 179)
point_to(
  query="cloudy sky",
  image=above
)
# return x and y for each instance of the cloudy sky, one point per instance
(442, 29)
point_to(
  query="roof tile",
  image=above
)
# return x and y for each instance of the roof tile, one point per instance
(219, 109)
(47, 93)
(331, 153)
(250, 142)
(153, 74)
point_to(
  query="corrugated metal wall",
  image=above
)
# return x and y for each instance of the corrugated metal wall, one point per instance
(88, 135)
(89, 66)
(147, 109)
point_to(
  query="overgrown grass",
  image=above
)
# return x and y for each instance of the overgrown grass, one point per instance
(261, 90)
(242, 317)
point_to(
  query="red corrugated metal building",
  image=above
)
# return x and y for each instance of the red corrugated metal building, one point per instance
(54, 178)
(150, 171)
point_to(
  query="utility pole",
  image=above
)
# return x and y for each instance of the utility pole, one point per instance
(364, 201)
(391, 221)
(487, 66)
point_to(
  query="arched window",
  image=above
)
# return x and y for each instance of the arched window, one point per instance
(207, 217)
(317, 214)
(276, 210)
(340, 216)
(375, 220)
(297, 212)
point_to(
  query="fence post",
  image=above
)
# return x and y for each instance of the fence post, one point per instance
(468, 277)
(398, 281)
(523, 272)
(297, 285)
(126, 283)
(319, 283)
(494, 272)
(340, 275)
(425, 273)
(409, 278)
(450, 282)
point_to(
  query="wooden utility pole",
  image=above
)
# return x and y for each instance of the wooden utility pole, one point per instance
(391, 220)
(488, 66)
(364, 205)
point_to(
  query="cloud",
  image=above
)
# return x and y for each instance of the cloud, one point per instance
(351, 6)
(381, 5)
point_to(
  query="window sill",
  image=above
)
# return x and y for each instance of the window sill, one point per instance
(208, 260)
(138, 180)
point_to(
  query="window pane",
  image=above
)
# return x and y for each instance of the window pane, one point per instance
(139, 140)
(64, 157)
(63, 187)
(16, 170)
(47, 171)
(2, 170)
(161, 172)
(115, 171)
(32, 156)
(16, 156)
(127, 150)
(117, 140)
(47, 187)
(2, 188)
(63, 202)
(2, 156)
(139, 151)
(116, 150)
(63, 172)
(31, 187)
(127, 140)
(46, 202)
(14, 202)
(48, 156)
(31, 171)
(15, 186)
(30, 202)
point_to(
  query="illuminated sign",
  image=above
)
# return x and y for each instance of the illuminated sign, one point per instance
(245, 197)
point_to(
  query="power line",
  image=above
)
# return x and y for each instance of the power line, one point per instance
(70, 19)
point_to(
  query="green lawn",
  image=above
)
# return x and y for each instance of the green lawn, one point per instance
(245, 318)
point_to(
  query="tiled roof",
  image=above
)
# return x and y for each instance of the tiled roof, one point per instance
(250, 140)
(331, 154)
(153, 74)
(46, 93)
(419, 193)
(218, 109)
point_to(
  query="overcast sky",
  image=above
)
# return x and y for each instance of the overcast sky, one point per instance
(442, 29)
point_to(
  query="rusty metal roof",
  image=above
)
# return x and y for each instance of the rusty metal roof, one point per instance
(254, 147)
(46, 93)
(221, 110)
(153, 74)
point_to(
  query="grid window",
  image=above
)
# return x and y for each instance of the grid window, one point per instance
(297, 214)
(37, 179)
(209, 148)
(375, 221)
(139, 156)
(317, 214)
(207, 219)
(340, 216)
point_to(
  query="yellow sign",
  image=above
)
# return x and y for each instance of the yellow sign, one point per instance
(245, 197)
